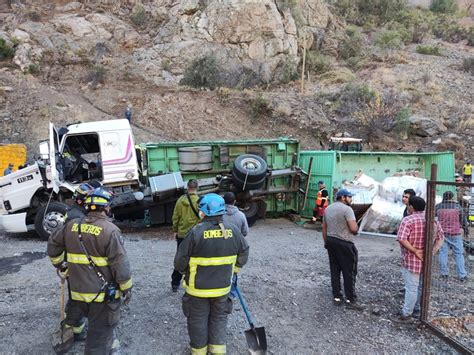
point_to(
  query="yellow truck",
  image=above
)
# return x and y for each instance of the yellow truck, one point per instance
(12, 153)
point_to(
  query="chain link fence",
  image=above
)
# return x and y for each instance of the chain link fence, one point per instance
(448, 297)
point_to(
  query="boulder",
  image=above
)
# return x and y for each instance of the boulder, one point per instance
(426, 126)
(20, 36)
(258, 35)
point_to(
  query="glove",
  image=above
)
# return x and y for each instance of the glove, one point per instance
(62, 267)
(233, 292)
(126, 296)
(325, 246)
(62, 270)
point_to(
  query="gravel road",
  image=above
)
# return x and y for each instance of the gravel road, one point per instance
(286, 283)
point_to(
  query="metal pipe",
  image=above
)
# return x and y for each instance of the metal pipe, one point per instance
(377, 234)
(428, 252)
(448, 340)
(307, 183)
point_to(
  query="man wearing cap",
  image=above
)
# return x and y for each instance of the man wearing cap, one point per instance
(8, 170)
(322, 201)
(339, 228)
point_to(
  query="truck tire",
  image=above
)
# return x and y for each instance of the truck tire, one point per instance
(250, 211)
(48, 221)
(249, 166)
(249, 185)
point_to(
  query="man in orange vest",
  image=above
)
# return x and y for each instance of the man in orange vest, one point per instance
(322, 201)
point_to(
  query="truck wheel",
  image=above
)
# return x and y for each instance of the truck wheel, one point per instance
(249, 166)
(250, 211)
(249, 185)
(48, 221)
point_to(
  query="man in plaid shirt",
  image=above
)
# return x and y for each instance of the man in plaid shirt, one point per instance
(411, 236)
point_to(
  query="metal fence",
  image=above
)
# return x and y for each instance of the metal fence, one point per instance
(447, 305)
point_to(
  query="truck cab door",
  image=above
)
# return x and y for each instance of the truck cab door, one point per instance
(56, 170)
(119, 159)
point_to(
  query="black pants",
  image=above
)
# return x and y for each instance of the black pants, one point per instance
(103, 318)
(342, 258)
(207, 321)
(176, 276)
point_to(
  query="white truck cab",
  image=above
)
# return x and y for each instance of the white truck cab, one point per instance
(102, 151)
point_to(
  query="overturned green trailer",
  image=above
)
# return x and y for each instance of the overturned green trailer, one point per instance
(263, 173)
(336, 167)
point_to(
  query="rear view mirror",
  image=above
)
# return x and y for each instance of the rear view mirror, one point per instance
(44, 150)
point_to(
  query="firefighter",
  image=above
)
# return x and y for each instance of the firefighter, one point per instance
(98, 271)
(78, 210)
(322, 201)
(209, 256)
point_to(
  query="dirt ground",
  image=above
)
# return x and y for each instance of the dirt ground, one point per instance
(286, 283)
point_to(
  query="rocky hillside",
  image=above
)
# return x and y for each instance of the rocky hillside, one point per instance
(209, 69)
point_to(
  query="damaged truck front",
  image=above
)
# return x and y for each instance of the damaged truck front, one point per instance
(147, 178)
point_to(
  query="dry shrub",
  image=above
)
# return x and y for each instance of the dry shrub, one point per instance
(456, 146)
(317, 63)
(468, 65)
(337, 76)
(378, 115)
(260, 107)
(428, 50)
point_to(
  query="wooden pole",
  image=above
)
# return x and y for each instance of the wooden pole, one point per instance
(304, 63)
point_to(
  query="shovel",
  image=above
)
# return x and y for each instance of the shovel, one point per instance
(63, 338)
(256, 337)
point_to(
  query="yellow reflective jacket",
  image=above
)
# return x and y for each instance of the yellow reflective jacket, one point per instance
(184, 217)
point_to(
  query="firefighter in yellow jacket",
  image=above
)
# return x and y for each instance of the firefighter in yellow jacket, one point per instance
(209, 256)
(98, 271)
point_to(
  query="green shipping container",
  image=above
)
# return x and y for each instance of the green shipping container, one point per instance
(335, 167)
(217, 157)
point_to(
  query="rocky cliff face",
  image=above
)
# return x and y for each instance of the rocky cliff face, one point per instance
(260, 36)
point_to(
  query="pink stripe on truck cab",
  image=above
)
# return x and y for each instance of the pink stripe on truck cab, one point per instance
(125, 159)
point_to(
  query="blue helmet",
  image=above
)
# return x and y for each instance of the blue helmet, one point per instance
(212, 205)
(82, 191)
(99, 198)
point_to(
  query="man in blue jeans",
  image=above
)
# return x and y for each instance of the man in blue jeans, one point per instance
(452, 219)
(411, 236)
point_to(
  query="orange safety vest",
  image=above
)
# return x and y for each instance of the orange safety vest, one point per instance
(320, 200)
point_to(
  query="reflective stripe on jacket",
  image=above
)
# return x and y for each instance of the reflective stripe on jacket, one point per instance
(104, 243)
(208, 258)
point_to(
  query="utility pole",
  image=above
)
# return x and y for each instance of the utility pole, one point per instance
(304, 63)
